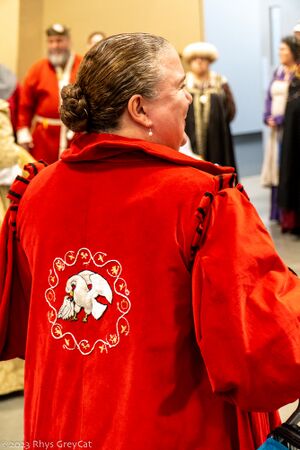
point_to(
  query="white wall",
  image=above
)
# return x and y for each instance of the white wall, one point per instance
(241, 31)
(234, 27)
(289, 16)
(9, 33)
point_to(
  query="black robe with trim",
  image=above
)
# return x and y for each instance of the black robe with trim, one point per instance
(289, 177)
(219, 144)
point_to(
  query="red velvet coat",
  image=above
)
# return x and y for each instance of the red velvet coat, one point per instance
(40, 96)
(156, 310)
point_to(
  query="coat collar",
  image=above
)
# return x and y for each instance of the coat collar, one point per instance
(104, 146)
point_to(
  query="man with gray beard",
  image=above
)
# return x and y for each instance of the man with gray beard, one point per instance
(39, 127)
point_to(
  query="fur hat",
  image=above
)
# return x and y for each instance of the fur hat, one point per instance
(57, 30)
(202, 49)
(296, 28)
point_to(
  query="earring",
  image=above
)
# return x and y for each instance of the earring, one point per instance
(150, 132)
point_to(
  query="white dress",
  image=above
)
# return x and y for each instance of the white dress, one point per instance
(270, 168)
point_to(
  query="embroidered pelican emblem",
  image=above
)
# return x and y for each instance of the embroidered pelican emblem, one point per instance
(85, 290)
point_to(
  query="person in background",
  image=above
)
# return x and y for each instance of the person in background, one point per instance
(40, 129)
(274, 115)
(140, 284)
(95, 37)
(10, 91)
(289, 179)
(213, 107)
(12, 157)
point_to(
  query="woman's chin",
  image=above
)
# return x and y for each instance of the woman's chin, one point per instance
(184, 139)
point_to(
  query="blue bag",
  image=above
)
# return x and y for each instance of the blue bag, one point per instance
(286, 436)
(271, 444)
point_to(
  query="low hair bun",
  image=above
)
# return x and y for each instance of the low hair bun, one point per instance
(111, 72)
(74, 108)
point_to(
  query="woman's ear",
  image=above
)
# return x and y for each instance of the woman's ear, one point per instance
(137, 110)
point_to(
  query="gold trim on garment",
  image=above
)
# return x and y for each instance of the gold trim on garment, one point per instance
(202, 104)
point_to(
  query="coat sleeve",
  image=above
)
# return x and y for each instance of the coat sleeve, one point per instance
(267, 107)
(246, 307)
(14, 294)
(27, 99)
(15, 274)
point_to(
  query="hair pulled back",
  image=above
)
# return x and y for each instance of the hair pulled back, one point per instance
(111, 72)
(294, 45)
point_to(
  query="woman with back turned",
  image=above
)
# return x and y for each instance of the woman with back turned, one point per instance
(140, 284)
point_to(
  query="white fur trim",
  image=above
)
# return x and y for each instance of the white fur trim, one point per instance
(202, 49)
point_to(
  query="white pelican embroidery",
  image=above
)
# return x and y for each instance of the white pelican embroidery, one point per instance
(83, 290)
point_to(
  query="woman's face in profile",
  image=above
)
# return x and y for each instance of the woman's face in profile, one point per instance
(285, 55)
(168, 110)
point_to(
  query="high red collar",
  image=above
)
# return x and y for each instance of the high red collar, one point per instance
(94, 146)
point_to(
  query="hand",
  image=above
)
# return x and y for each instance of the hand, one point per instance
(27, 146)
(271, 122)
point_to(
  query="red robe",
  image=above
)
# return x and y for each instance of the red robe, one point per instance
(40, 96)
(157, 311)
